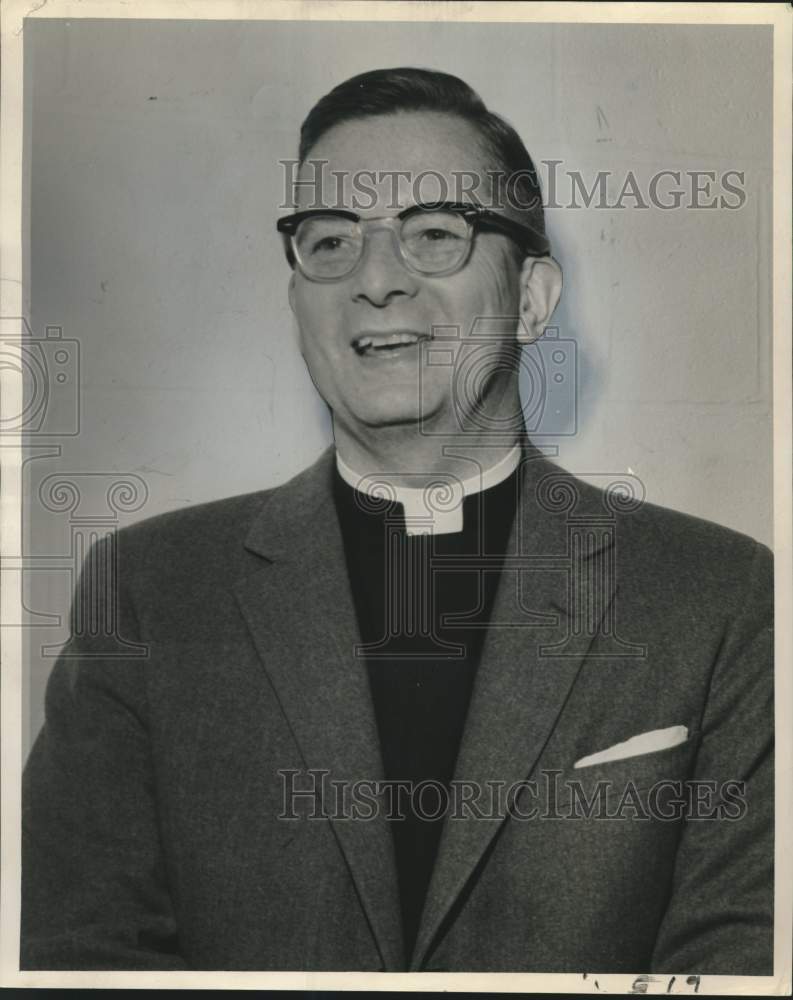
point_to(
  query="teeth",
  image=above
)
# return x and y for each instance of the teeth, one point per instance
(366, 341)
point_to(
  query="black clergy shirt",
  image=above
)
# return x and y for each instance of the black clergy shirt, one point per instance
(421, 665)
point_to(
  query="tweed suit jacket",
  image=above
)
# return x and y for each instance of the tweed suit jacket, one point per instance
(155, 834)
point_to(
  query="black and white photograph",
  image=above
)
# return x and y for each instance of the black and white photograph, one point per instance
(396, 496)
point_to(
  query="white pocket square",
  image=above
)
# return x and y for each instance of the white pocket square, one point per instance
(656, 739)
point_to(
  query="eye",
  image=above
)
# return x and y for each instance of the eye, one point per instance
(434, 228)
(323, 236)
(327, 243)
(436, 235)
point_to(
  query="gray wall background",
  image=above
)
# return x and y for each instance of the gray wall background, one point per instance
(154, 186)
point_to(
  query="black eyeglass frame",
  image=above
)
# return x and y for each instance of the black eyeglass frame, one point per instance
(531, 242)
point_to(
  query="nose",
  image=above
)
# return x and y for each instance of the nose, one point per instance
(382, 277)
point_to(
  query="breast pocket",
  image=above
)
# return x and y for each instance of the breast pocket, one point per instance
(661, 773)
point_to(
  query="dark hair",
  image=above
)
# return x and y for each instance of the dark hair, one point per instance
(389, 91)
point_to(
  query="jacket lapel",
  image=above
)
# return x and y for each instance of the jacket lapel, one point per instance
(296, 600)
(532, 653)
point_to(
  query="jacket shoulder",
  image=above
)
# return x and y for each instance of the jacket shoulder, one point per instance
(691, 538)
(214, 522)
(674, 547)
(207, 532)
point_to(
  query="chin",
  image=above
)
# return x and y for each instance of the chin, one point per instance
(389, 416)
(429, 418)
(387, 407)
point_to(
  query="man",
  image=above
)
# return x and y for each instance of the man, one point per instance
(434, 704)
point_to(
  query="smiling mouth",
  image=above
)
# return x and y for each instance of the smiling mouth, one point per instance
(376, 344)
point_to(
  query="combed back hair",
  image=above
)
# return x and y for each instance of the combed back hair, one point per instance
(389, 91)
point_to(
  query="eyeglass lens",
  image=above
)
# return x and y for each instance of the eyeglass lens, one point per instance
(432, 242)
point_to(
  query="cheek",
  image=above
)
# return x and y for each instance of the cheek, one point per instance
(316, 315)
(500, 276)
(488, 286)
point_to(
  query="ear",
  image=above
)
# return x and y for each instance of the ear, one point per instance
(296, 331)
(291, 292)
(540, 288)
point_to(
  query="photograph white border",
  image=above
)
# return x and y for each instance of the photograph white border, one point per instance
(14, 302)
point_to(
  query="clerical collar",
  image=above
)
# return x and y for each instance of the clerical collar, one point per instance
(436, 509)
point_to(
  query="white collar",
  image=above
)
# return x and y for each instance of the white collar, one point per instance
(436, 509)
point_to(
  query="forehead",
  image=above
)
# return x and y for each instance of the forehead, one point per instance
(397, 157)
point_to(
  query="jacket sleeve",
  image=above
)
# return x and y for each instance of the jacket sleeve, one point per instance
(719, 919)
(94, 888)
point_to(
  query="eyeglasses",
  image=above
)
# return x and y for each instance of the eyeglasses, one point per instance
(328, 244)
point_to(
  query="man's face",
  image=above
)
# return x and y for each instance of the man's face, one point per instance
(380, 387)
